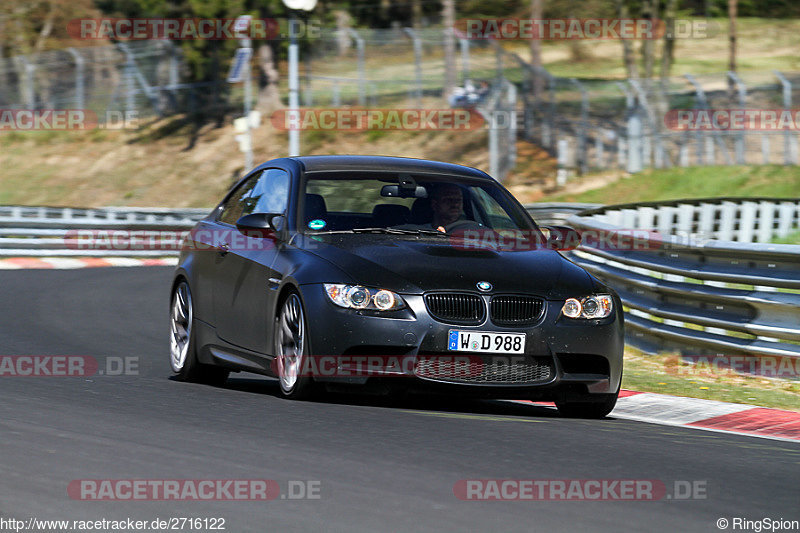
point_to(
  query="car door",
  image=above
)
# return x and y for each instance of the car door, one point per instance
(243, 298)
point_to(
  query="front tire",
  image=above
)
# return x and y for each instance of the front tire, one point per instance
(589, 409)
(291, 349)
(182, 347)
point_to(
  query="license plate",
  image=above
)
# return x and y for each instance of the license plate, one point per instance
(485, 342)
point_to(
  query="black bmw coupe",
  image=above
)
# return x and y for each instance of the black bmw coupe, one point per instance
(396, 274)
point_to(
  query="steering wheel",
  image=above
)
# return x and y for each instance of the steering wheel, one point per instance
(463, 225)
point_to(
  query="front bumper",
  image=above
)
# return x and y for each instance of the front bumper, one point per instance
(585, 356)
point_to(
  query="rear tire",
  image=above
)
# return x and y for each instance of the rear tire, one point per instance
(291, 350)
(182, 347)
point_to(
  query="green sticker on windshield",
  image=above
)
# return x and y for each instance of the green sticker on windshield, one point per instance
(316, 224)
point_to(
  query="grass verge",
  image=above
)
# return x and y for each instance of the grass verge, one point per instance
(666, 374)
(692, 182)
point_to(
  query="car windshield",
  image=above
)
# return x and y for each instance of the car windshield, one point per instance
(406, 204)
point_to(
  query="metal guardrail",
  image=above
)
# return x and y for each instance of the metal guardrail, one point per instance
(706, 281)
(556, 213)
(53, 231)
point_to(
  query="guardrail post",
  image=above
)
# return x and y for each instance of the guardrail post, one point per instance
(789, 141)
(766, 219)
(747, 222)
(786, 212)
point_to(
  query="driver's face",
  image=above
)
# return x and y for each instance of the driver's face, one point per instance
(447, 205)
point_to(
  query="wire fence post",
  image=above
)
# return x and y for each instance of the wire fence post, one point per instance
(634, 159)
(511, 102)
(584, 125)
(80, 93)
(362, 76)
(789, 142)
(417, 63)
(465, 74)
(741, 90)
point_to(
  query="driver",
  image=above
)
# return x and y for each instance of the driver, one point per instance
(447, 203)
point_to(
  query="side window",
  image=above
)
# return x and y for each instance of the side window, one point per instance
(271, 193)
(237, 204)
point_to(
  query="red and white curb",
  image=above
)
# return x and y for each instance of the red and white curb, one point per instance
(708, 415)
(20, 263)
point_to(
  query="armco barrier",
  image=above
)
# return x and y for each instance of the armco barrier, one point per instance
(42, 231)
(712, 283)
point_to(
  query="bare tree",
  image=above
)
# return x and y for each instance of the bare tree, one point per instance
(631, 68)
(416, 13)
(668, 50)
(537, 8)
(648, 13)
(732, 13)
(449, 16)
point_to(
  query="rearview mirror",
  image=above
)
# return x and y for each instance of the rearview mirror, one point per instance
(395, 191)
(260, 225)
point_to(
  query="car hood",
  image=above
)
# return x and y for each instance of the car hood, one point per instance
(415, 265)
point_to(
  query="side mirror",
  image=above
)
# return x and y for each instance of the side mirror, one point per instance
(260, 225)
(561, 237)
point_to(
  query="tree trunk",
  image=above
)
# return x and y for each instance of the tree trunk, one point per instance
(416, 13)
(648, 13)
(536, 50)
(269, 98)
(668, 52)
(732, 13)
(631, 68)
(449, 16)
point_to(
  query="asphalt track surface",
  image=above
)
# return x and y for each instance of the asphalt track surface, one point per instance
(381, 465)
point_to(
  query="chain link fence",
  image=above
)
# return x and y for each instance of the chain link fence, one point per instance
(138, 78)
(588, 124)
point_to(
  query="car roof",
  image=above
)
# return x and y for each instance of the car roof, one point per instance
(321, 163)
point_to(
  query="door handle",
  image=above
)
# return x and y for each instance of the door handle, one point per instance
(223, 249)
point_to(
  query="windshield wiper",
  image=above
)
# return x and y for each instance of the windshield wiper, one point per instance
(390, 231)
(400, 231)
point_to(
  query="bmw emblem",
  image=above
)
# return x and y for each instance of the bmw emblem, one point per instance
(484, 286)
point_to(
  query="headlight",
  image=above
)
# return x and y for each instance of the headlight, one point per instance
(358, 297)
(597, 306)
